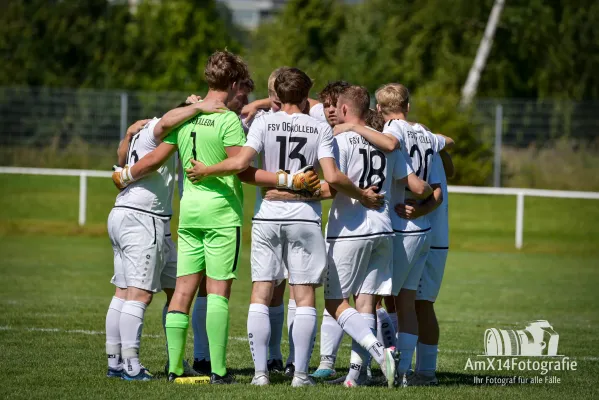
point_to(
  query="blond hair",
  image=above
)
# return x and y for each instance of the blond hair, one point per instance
(271, 80)
(393, 98)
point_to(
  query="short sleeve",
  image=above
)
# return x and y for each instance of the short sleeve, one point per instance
(340, 153)
(438, 142)
(394, 129)
(148, 137)
(401, 169)
(255, 138)
(325, 146)
(437, 171)
(317, 111)
(231, 131)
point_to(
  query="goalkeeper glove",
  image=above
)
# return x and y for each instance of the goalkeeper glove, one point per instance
(304, 179)
(122, 177)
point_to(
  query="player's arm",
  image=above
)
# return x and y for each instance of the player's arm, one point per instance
(177, 116)
(238, 161)
(413, 210)
(326, 193)
(419, 188)
(146, 165)
(341, 183)
(383, 141)
(447, 164)
(124, 145)
(449, 142)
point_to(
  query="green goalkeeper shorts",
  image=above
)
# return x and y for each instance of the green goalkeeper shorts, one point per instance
(215, 250)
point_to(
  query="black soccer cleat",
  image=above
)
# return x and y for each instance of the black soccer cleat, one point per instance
(228, 379)
(202, 366)
(290, 370)
(276, 366)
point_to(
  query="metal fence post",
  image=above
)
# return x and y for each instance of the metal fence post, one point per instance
(498, 135)
(82, 198)
(519, 219)
(124, 106)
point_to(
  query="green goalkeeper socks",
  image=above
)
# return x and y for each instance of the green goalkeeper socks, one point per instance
(217, 327)
(176, 335)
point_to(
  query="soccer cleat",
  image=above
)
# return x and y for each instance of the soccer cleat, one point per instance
(202, 366)
(389, 365)
(337, 381)
(417, 379)
(290, 370)
(276, 366)
(227, 379)
(187, 370)
(261, 380)
(144, 375)
(323, 373)
(299, 382)
(114, 373)
(350, 383)
(184, 379)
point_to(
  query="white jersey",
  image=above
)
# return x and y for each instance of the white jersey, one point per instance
(289, 142)
(365, 166)
(420, 146)
(154, 193)
(317, 111)
(439, 218)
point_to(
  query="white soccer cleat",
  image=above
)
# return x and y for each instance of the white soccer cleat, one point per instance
(422, 380)
(299, 382)
(388, 366)
(261, 380)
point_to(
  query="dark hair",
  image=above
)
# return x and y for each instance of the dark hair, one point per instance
(293, 86)
(247, 84)
(223, 69)
(330, 93)
(356, 98)
(375, 120)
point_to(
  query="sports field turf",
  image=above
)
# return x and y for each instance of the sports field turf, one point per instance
(55, 291)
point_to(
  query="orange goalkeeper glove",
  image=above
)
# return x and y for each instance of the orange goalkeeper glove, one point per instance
(304, 179)
(122, 177)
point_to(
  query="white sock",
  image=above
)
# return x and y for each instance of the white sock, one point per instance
(113, 333)
(331, 334)
(131, 325)
(357, 327)
(385, 331)
(201, 348)
(393, 318)
(359, 355)
(426, 358)
(277, 318)
(258, 335)
(304, 328)
(406, 343)
(290, 318)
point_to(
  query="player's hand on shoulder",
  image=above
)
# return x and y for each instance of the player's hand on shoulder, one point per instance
(249, 111)
(211, 106)
(372, 199)
(192, 99)
(342, 128)
(196, 173)
(136, 126)
(121, 177)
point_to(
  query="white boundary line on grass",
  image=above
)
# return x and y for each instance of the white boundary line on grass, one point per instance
(233, 338)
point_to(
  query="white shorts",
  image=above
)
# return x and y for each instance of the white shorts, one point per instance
(359, 266)
(299, 248)
(430, 282)
(138, 245)
(409, 257)
(168, 278)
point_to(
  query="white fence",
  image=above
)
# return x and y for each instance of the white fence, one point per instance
(519, 193)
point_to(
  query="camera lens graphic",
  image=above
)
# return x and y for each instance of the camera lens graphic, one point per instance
(502, 342)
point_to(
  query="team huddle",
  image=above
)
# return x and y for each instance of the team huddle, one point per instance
(384, 246)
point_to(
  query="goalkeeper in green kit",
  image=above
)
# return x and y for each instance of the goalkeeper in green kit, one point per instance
(211, 211)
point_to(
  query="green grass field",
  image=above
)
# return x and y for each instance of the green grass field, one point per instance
(56, 290)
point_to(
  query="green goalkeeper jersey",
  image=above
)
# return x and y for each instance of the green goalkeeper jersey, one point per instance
(215, 202)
